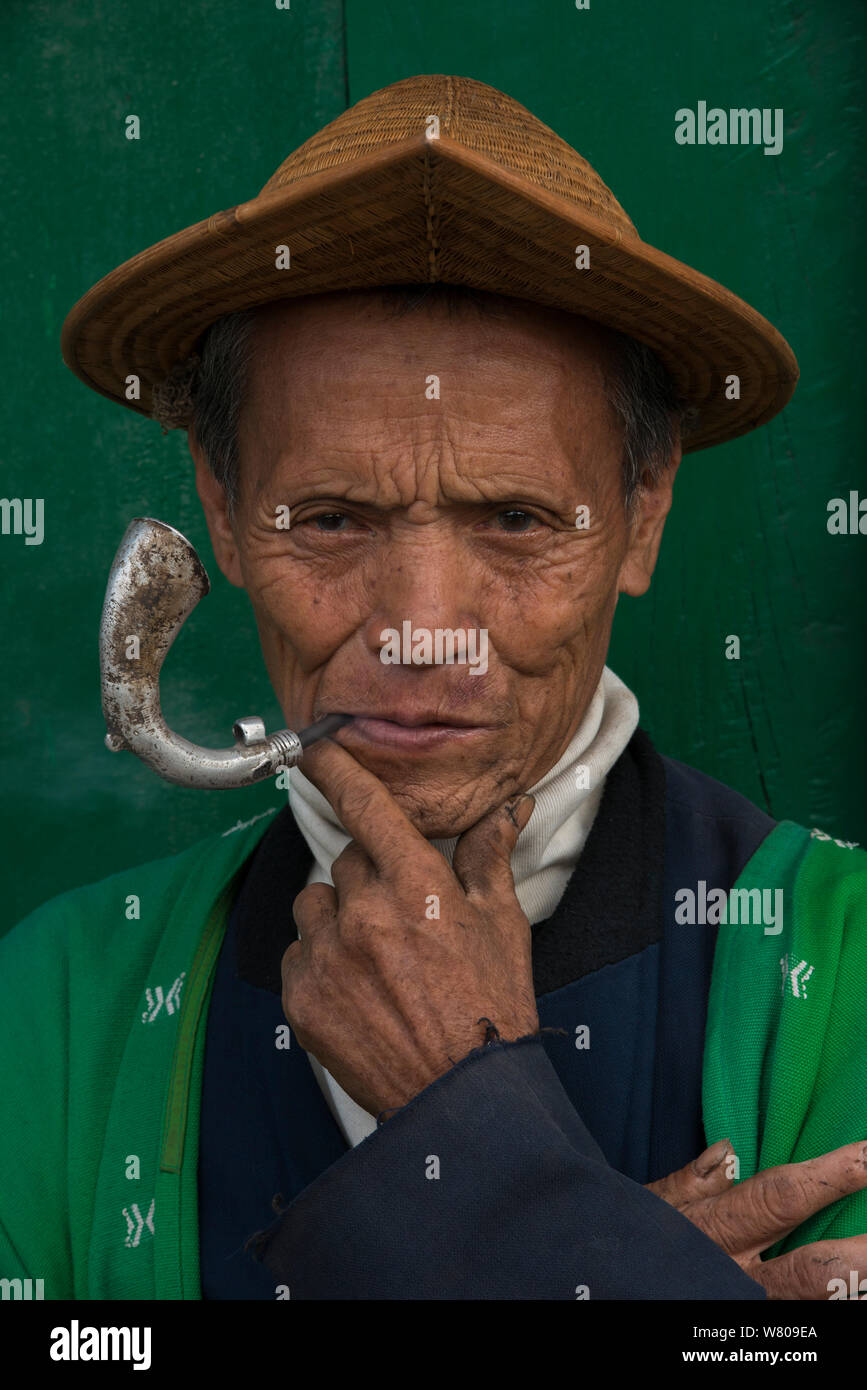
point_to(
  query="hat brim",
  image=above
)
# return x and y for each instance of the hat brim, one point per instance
(416, 211)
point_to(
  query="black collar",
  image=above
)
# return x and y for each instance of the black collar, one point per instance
(611, 907)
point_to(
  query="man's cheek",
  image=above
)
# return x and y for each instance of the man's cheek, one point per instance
(302, 618)
(565, 589)
(540, 637)
(285, 661)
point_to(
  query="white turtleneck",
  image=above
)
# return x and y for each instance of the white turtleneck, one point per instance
(567, 799)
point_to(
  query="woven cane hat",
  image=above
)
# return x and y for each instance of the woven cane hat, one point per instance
(434, 178)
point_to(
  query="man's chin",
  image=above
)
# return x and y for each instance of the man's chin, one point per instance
(437, 812)
(441, 792)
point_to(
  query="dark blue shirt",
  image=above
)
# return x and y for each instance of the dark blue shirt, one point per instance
(571, 1132)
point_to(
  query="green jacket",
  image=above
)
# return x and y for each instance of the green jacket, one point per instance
(102, 1030)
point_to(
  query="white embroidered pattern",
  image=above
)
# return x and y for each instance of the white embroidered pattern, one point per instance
(156, 999)
(136, 1223)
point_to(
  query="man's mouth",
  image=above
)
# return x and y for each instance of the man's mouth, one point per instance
(407, 730)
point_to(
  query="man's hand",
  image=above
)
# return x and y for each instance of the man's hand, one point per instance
(403, 964)
(747, 1219)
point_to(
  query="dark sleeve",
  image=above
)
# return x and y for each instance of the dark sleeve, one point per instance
(487, 1185)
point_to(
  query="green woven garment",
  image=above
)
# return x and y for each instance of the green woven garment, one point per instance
(785, 1066)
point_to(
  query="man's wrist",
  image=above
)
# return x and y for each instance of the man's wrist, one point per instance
(490, 1034)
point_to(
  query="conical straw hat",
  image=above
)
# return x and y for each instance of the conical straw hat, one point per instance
(434, 178)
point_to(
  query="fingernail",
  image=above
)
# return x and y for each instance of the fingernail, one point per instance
(520, 809)
(715, 1155)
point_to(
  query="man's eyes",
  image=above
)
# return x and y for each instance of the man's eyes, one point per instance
(515, 521)
(324, 520)
(512, 520)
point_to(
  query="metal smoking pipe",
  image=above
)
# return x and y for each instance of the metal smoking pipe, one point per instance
(154, 584)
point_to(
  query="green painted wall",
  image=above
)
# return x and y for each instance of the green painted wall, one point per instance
(224, 91)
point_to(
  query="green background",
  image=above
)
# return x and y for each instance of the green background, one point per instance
(224, 91)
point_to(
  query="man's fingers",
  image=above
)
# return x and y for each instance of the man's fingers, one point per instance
(351, 868)
(774, 1202)
(820, 1270)
(482, 856)
(314, 907)
(706, 1176)
(745, 1219)
(364, 806)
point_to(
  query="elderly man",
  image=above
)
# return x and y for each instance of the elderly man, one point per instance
(474, 1014)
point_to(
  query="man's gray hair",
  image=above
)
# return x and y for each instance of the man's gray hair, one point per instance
(206, 390)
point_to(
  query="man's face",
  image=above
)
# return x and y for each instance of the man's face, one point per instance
(449, 506)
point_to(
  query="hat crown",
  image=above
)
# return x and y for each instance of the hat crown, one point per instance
(472, 114)
(491, 198)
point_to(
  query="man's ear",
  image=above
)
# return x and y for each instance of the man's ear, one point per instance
(212, 496)
(652, 506)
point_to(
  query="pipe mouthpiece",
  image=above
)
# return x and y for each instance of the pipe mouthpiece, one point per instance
(323, 728)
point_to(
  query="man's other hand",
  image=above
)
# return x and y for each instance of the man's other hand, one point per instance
(746, 1219)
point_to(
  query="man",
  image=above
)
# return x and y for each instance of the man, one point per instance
(532, 1050)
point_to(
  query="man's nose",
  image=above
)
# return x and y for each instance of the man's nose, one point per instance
(423, 581)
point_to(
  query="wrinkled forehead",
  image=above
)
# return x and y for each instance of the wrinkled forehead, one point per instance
(352, 383)
(452, 321)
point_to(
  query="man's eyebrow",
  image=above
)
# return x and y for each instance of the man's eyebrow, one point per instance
(520, 497)
(484, 492)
